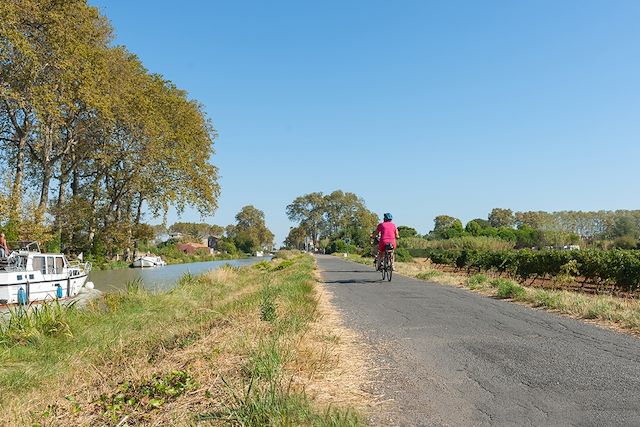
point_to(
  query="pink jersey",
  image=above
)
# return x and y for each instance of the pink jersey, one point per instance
(387, 231)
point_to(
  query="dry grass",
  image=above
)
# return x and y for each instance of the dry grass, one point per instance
(336, 367)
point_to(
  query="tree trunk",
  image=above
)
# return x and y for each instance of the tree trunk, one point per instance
(139, 209)
(16, 191)
(46, 175)
(94, 208)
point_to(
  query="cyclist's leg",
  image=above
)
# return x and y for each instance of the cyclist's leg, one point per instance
(381, 252)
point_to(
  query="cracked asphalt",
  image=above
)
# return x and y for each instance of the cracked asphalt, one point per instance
(448, 356)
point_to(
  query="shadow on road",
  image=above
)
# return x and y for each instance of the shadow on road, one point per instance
(346, 271)
(353, 281)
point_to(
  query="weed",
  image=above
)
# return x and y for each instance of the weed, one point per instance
(275, 403)
(146, 396)
(134, 287)
(262, 265)
(25, 325)
(509, 289)
(477, 281)
(265, 362)
(281, 266)
(599, 309)
(267, 305)
(428, 275)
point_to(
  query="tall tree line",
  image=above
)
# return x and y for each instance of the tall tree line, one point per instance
(324, 218)
(90, 138)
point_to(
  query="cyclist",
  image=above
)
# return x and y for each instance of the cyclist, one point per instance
(388, 233)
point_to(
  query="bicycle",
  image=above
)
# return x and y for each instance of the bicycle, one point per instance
(387, 262)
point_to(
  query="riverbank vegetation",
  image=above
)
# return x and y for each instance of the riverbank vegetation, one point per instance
(235, 346)
(91, 139)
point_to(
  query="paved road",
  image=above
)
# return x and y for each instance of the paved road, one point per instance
(460, 359)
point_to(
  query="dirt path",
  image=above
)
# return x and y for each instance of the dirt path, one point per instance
(452, 357)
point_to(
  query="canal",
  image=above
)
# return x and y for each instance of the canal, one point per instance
(160, 278)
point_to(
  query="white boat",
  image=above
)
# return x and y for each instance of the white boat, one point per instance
(148, 261)
(27, 275)
(259, 253)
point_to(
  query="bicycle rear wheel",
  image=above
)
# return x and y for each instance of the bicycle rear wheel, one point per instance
(383, 267)
(389, 265)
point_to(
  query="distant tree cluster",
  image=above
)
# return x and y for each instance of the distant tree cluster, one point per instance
(91, 139)
(619, 228)
(248, 235)
(329, 220)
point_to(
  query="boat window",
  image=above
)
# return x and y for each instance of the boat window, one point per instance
(39, 264)
(59, 264)
(50, 266)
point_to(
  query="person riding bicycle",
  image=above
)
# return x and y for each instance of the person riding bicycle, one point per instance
(388, 233)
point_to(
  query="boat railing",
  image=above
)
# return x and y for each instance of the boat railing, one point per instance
(24, 245)
(84, 267)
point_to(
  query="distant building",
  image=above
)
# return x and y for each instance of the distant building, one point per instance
(212, 242)
(192, 248)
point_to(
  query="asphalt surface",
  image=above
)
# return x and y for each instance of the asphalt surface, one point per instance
(451, 357)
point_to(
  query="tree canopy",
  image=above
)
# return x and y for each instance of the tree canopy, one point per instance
(91, 138)
(338, 215)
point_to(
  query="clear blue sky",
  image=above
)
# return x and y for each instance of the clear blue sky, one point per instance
(420, 107)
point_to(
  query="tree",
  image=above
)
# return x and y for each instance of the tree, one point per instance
(87, 123)
(404, 231)
(195, 230)
(250, 232)
(309, 212)
(624, 226)
(501, 218)
(441, 224)
(454, 230)
(538, 220)
(473, 228)
(295, 238)
(338, 215)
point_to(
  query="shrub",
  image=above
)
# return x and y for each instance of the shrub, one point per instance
(403, 255)
(340, 246)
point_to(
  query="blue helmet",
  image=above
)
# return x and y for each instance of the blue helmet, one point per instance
(388, 216)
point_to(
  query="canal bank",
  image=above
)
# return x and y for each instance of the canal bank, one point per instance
(136, 357)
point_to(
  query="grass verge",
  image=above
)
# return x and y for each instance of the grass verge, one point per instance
(235, 346)
(616, 312)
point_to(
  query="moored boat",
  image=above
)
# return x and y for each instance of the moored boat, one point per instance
(28, 275)
(148, 261)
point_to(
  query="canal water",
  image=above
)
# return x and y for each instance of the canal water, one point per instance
(160, 278)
